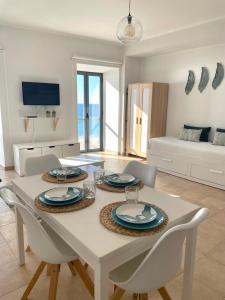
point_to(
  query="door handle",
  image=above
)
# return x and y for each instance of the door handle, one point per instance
(140, 121)
(137, 120)
(87, 116)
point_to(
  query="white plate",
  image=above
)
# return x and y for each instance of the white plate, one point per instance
(61, 194)
(121, 178)
(139, 213)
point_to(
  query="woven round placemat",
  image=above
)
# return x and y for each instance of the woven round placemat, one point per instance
(109, 188)
(107, 221)
(52, 179)
(67, 208)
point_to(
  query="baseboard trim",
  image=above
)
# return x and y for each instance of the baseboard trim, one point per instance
(9, 168)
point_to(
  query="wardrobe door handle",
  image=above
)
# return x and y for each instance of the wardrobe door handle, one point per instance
(140, 121)
(137, 120)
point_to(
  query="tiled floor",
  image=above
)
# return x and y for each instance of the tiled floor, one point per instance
(209, 283)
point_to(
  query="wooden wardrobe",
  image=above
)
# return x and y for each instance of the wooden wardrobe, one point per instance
(146, 115)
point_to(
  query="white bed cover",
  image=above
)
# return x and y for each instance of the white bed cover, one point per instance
(199, 151)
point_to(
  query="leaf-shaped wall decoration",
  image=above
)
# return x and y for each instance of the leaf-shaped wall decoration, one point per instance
(190, 82)
(218, 76)
(204, 79)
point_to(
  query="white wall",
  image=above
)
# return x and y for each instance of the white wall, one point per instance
(112, 108)
(39, 56)
(207, 108)
(132, 69)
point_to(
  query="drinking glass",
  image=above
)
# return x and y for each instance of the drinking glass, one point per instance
(131, 193)
(99, 175)
(61, 175)
(89, 189)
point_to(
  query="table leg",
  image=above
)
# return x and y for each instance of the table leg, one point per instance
(20, 237)
(101, 283)
(189, 262)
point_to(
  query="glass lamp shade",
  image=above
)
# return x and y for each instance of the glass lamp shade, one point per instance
(129, 30)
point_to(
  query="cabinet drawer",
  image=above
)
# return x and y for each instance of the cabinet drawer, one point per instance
(25, 153)
(56, 150)
(214, 175)
(177, 165)
(71, 150)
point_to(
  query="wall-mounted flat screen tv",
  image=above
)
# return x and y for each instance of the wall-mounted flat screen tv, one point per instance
(35, 93)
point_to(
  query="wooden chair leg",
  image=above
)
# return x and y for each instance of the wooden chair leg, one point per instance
(135, 296)
(49, 269)
(28, 249)
(145, 296)
(70, 265)
(33, 280)
(84, 276)
(53, 282)
(117, 294)
(164, 294)
(86, 266)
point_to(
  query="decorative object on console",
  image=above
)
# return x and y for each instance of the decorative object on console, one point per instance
(219, 138)
(190, 82)
(204, 137)
(48, 114)
(55, 122)
(53, 114)
(129, 29)
(191, 135)
(204, 79)
(218, 76)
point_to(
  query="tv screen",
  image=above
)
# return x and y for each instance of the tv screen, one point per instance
(35, 93)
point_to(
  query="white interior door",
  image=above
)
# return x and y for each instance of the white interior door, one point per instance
(145, 99)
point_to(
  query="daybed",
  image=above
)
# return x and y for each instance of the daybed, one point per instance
(201, 162)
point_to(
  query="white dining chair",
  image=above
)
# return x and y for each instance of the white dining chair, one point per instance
(8, 196)
(41, 164)
(145, 172)
(154, 268)
(11, 198)
(53, 251)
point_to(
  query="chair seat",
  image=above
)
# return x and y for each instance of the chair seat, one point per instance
(123, 272)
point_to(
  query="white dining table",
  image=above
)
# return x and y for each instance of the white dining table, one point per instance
(102, 249)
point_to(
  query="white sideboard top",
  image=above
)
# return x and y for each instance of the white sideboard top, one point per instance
(44, 144)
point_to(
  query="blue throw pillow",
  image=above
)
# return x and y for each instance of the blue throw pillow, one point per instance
(220, 129)
(204, 137)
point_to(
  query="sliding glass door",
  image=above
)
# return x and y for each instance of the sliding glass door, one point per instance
(89, 108)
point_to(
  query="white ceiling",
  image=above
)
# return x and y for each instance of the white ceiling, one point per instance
(98, 18)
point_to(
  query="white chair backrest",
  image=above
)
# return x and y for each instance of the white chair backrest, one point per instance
(38, 238)
(8, 196)
(145, 172)
(163, 261)
(41, 164)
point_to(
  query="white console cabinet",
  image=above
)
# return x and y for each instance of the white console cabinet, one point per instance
(59, 148)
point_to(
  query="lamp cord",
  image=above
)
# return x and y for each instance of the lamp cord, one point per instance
(129, 6)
